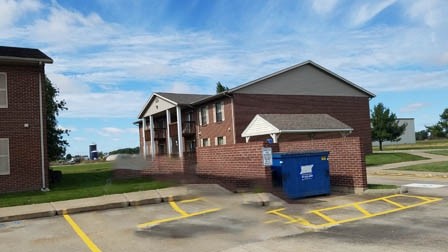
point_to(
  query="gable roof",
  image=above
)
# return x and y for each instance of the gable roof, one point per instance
(23, 54)
(264, 124)
(174, 98)
(182, 99)
(308, 62)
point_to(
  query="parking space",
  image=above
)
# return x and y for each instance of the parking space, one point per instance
(339, 214)
(210, 223)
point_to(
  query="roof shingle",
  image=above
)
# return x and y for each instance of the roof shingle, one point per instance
(26, 54)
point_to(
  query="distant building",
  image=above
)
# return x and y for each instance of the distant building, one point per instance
(408, 136)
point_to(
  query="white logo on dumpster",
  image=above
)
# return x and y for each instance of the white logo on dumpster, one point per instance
(306, 172)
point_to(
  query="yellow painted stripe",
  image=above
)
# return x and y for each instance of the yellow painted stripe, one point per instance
(323, 216)
(178, 209)
(270, 221)
(155, 222)
(393, 203)
(275, 210)
(81, 234)
(362, 210)
(191, 200)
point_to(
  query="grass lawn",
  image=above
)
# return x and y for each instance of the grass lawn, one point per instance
(432, 167)
(388, 158)
(81, 181)
(424, 144)
(439, 152)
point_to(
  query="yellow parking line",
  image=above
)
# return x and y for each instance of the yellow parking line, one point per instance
(190, 200)
(367, 214)
(393, 203)
(155, 222)
(323, 216)
(362, 210)
(178, 209)
(81, 234)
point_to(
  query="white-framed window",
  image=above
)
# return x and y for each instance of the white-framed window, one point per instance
(205, 142)
(4, 156)
(221, 140)
(218, 112)
(3, 90)
(203, 115)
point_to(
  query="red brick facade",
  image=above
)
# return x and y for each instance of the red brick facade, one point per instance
(353, 111)
(24, 142)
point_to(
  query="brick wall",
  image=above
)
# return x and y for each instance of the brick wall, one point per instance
(215, 129)
(346, 159)
(24, 143)
(353, 111)
(238, 164)
(241, 164)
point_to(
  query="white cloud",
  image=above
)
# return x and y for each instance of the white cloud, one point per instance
(413, 107)
(323, 7)
(12, 10)
(367, 11)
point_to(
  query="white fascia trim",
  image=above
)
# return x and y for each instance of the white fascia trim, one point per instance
(140, 116)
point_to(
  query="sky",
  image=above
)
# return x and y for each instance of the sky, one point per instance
(110, 56)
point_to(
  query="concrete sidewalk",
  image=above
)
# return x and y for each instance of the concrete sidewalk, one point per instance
(387, 168)
(96, 203)
(124, 200)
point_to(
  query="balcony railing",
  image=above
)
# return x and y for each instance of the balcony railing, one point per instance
(188, 128)
(159, 133)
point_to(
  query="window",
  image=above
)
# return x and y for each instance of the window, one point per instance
(4, 156)
(221, 140)
(203, 117)
(218, 112)
(3, 91)
(205, 142)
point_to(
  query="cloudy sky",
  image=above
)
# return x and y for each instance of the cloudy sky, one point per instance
(109, 56)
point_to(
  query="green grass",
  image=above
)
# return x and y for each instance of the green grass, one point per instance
(423, 144)
(380, 186)
(439, 152)
(388, 158)
(81, 181)
(431, 167)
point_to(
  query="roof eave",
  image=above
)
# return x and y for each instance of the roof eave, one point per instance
(36, 60)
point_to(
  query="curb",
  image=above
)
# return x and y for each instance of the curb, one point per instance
(112, 201)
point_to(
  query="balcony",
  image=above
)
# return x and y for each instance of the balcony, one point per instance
(188, 128)
(159, 133)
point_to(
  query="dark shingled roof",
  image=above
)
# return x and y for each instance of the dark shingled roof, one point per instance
(305, 122)
(23, 54)
(183, 99)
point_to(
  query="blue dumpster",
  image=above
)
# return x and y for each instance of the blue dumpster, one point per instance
(303, 174)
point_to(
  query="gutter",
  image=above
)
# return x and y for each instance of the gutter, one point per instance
(42, 143)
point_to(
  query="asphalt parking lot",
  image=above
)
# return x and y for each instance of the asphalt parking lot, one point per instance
(223, 221)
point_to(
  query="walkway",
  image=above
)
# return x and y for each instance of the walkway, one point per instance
(432, 158)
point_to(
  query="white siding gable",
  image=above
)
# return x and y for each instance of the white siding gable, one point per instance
(158, 105)
(304, 80)
(259, 126)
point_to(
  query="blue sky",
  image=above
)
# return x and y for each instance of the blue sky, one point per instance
(109, 56)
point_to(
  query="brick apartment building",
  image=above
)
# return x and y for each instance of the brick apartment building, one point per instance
(182, 133)
(23, 149)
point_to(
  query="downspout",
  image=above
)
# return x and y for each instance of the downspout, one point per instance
(42, 143)
(233, 116)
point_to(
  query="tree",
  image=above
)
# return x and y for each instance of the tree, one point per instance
(385, 125)
(68, 157)
(440, 129)
(56, 144)
(421, 135)
(221, 88)
(135, 150)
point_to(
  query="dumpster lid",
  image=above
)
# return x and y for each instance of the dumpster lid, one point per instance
(300, 153)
